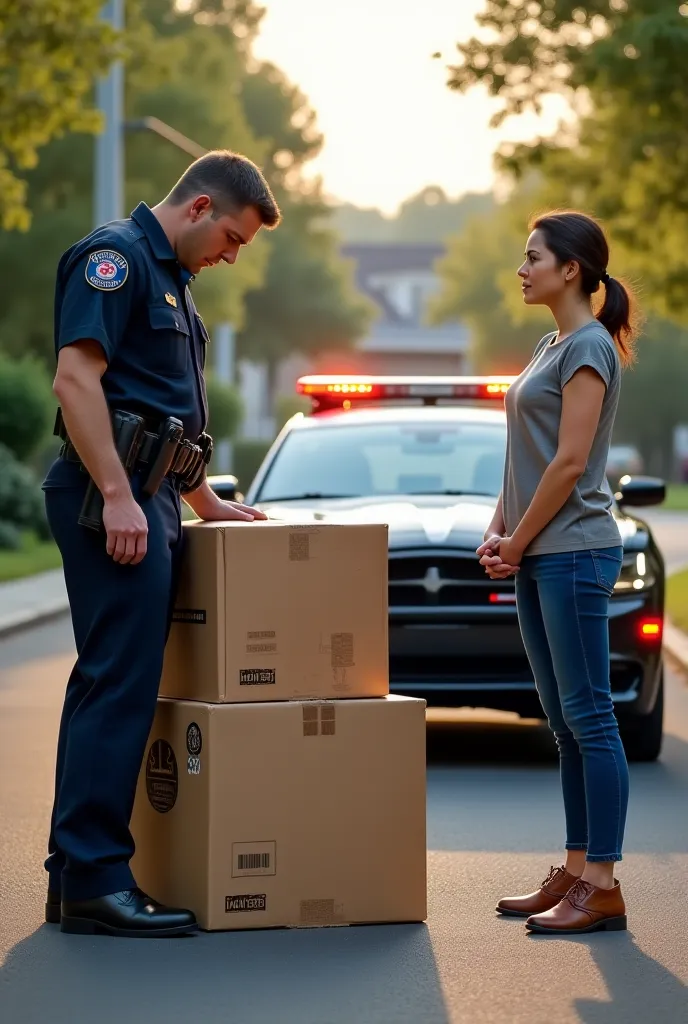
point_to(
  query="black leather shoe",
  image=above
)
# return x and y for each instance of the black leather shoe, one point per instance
(130, 914)
(52, 908)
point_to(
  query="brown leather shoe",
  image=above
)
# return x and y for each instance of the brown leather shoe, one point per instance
(551, 892)
(585, 908)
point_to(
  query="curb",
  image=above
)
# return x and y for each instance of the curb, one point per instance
(676, 645)
(27, 618)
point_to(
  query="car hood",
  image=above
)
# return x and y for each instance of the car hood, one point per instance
(419, 521)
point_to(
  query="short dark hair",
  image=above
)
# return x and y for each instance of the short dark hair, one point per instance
(575, 236)
(232, 181)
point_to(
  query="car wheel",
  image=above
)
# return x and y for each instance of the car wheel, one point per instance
(643, 739)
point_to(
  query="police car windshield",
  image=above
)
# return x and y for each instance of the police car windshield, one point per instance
(387, 459)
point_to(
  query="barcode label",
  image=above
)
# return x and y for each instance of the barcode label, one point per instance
(250, 861)
(253, 859)
(299, 547)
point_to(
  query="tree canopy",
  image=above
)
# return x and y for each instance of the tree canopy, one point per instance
(428, 216)
(625, 158)
(289, 289)
(50, 54)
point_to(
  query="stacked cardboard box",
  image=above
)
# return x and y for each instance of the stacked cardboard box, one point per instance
(283, 785)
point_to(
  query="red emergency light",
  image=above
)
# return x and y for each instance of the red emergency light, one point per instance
(341, 391)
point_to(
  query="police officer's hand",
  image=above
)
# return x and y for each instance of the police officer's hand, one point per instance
(127, 530)
(235, 510)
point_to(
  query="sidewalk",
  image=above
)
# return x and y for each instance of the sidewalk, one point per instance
(31, 601)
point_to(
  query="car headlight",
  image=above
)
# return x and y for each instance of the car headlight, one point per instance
(635, 573)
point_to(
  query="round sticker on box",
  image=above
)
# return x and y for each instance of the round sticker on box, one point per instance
(162, 779)
(194, 740)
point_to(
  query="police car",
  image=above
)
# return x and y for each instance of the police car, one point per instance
(425, 455)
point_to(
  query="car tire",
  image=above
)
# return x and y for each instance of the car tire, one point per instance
(643, 739)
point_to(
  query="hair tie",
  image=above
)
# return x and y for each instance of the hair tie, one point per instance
(605, 278)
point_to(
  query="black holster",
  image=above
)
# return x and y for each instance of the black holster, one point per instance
(128, 432)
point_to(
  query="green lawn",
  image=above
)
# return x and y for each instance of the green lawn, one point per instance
(677, 498)
(33, 556)
(677, 599)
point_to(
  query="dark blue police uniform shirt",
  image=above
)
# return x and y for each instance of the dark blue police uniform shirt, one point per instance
(123, 286)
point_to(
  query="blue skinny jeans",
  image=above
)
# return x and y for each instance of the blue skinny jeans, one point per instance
(563, 612)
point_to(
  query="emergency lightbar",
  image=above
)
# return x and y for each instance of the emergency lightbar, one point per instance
(329, 391)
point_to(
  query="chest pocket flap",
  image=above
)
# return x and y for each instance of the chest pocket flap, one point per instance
(168, 351)
(165, 318)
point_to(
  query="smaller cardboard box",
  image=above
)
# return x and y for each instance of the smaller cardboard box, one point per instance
(285, 814)
(272, 611)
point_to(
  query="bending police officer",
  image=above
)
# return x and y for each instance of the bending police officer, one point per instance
(130, 351)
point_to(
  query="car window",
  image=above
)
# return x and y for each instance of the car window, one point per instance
(388, 459)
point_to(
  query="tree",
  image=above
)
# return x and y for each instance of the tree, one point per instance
(480, 287)
(622, 64)
(426, 217)
(197, 90)
(191, 79)
(307, 301)
(653, 395)
(50, 55)
(198, 77)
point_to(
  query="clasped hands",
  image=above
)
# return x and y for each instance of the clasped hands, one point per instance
(500, 557)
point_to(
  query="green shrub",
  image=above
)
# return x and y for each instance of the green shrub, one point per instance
(10, 536)
(248, 456)
(225, 409)
(21, 501)
(287, 406)
(27, 405)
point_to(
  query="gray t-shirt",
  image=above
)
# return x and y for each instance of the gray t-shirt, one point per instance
(533, 413)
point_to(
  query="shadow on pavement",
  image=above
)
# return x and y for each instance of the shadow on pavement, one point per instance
(661, 997)
(475, 741)
(367, 975)
(474, 804)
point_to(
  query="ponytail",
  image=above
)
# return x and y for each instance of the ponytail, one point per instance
(617, 315)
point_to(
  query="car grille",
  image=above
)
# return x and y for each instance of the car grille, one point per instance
(443, 580)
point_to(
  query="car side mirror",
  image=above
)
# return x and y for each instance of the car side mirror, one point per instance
(640, 491)
(226, 487)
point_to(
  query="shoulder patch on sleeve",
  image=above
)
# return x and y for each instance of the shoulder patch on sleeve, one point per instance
(106, 270)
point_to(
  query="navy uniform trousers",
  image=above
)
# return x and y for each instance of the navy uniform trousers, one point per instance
(121, 616)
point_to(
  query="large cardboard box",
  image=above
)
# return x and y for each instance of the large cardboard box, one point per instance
(271, 611)
(287, 813)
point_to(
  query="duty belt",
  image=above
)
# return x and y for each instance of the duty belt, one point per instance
(186, 460)
(165, 451)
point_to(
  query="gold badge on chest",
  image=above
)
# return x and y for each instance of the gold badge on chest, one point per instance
(170, 299)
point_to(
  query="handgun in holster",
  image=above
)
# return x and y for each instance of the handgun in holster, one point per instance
(128, 433)
(133, 443)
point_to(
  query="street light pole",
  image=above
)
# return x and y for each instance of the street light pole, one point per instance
(109, 162)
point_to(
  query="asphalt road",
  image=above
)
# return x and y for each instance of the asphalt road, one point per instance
(495, 823)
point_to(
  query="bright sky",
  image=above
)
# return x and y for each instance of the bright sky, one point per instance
(391, 125)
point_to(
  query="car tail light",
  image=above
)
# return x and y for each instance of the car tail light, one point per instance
(502, 599)
(650, 629)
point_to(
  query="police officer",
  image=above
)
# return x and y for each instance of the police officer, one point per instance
(130, 341)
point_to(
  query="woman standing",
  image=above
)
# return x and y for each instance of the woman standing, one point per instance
(554, 528)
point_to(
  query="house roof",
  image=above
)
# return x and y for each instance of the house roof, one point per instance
(373, 258)
(432, 340)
